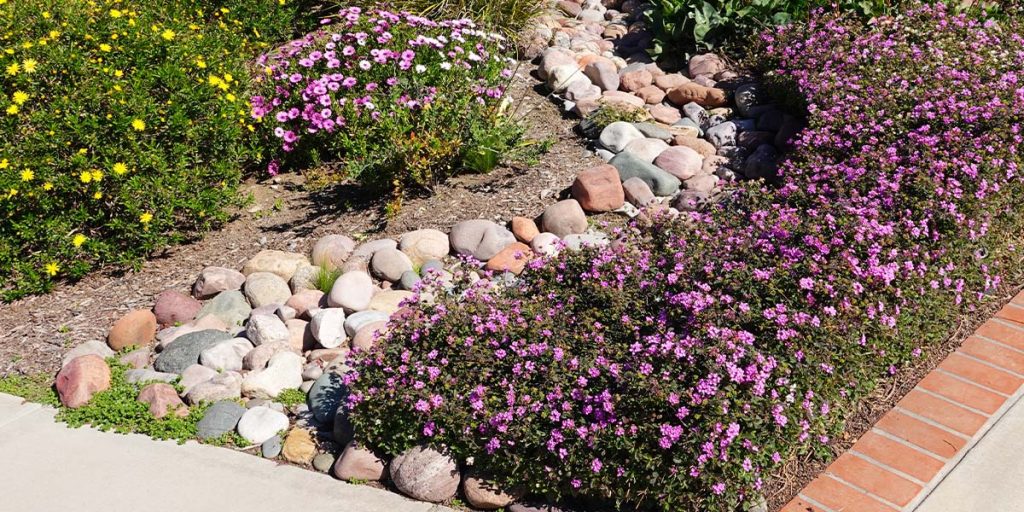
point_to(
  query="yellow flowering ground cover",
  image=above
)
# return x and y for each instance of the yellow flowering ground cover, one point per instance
(122, 126)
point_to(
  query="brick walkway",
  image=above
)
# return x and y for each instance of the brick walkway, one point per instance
(902, 458)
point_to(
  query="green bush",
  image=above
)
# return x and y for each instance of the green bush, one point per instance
(124, 127)
(400, 100)
(694, 26)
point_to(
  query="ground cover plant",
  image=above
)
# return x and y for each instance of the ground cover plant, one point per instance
(679, 369)
(702, 25)
(399, 100)
(124, 127)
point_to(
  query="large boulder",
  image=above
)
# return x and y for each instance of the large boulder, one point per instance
(173, 307)
(359, 463)
(481, 239)
(331, 251)
(135, 328)
(680, 161)
(424, 245)
(425, 474)
(265, 288)
(284, 371)
(230, 307)
(82, 378)
(185, 350)
(213, 280)
(564, 218)
(390, 264)
(352, 291)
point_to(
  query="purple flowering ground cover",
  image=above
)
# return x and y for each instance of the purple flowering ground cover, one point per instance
(678, 368)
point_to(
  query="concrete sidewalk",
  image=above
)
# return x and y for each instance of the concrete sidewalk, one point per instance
(47, 467)
(990, 476)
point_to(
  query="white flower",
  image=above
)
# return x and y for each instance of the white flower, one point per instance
(420, 68)
(446, 66)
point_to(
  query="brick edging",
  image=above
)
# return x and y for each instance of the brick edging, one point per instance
(897, 463)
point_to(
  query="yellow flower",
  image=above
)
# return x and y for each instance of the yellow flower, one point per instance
(114, 13)
(138, 124)
(29, 65)
(145, 218)
(27, 175)
(120, 168)
(86, 176)
(119, 73)
(79, 240)
(105, 47)
(98, 195)
(19, 97)
(13, 109)
(47, 186)
(4, 164)
(167, 34)
(13, 69)
(97, 175)
(52, 268)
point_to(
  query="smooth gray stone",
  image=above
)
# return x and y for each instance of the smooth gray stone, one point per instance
(271, 447)
(220, 418)
(325, 396)
(185, 350)
(659, 181)
(231, 306)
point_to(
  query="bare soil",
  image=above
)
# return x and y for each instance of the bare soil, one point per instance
(283, 214)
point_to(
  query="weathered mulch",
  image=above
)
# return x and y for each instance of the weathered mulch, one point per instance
(36, 331)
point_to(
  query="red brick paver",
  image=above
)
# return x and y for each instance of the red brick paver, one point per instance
(906, 452)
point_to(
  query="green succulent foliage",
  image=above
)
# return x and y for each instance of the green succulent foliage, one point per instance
(37, 388)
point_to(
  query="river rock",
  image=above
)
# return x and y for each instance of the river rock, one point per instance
(637, 192)
(325, 396)
(281, 263)
(223, 386)
(366, 337)
(90, 347)
(680, 161)
(389, 301)
(305, 300)
(357, 321)
(284, 371)
(646, 149)
(265, 288)
(185, 350)
(616, 136)
(563, 218)
(660, 182)
(327, 327)
(220, 418)
(213, 280)
(603, 74)
(82, 378)
(331, 251)
(173, 307)
(479, 238)
(231, 307)
(162, 400)
(299, 447)
(266, 329)
(389, 264)
(352, 291)
(706, 64)
(195, 374)
(359, 463)
(484, 494)
(425, 474)
(524, 229)
(136, 328)
(723, 134)
(271, 448)
(424, 244)
(700, 94)
(261, 423)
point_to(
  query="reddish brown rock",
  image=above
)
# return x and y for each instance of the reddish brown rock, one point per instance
(680, 161)
(637, 192)
(173, 307)
(651, 94)
(82, 378)
(358, 463)
(707, 64)
(703, 96)
(366, 336)
(524, 229)
(665, 114)
(670, 81)
(512, 259)
(162, 399)
(306, 300)
(135, 328)
(621, 98)
(635, 80)
(598, 189)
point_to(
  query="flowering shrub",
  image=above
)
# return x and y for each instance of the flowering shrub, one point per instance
(399, 99)
(678, 369)
(122, 127)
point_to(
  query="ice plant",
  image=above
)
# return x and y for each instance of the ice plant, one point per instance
(678, 369)
(394, 96)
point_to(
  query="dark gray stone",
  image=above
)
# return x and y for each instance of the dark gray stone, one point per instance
(323, 462)
(325, 396)
(660, 182)
(723, 134)
(747, 96)
(184, 351)
(220, 418)
(762, 163)
(697, 114)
